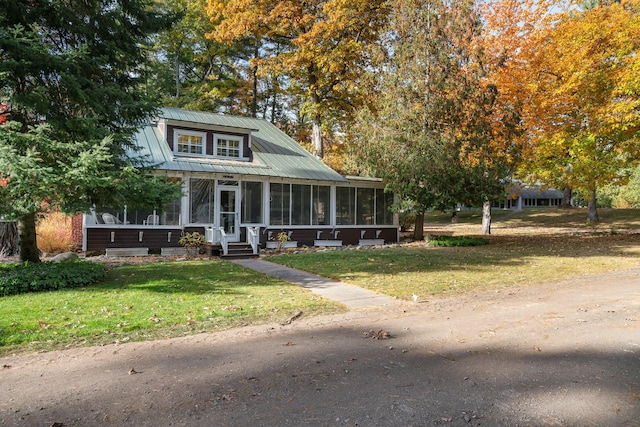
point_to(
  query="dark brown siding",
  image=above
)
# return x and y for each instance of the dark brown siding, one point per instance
(245, 149)
(349, 236)
(98, 239)
(209, 143)
(169, 134)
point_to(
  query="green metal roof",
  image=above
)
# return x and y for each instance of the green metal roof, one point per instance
(275, 154)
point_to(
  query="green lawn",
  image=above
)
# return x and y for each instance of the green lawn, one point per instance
(551, 218)
(150, 301)
(528, 248)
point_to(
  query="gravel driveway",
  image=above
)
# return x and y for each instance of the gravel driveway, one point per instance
(566, 354)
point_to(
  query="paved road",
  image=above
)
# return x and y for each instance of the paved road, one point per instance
(564, 354)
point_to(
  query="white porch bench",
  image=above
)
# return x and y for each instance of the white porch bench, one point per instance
(175, 251)
(370, 242)
(118, 252)
(327, 242)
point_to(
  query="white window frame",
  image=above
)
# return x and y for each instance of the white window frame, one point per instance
(178, 132)
(238, 139)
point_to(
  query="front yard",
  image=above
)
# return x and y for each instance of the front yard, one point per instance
(151, 301)
(167, 299)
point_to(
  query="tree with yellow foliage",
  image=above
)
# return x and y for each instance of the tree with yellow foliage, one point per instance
(323, 49)
(574, 73)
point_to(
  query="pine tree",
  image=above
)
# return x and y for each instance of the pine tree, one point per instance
(72, 79)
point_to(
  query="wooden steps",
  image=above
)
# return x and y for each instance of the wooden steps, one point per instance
(236, 251)
(239, 250)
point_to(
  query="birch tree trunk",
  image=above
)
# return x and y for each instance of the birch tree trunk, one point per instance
(486, 217)
(316, 140)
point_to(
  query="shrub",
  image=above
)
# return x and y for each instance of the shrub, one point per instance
(48, 276)
(283, 237)
(407, 220)
(456, 241)
(54, 233)
(194, 242)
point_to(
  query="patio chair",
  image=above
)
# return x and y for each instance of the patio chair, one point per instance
(110, 219)
(152, 220)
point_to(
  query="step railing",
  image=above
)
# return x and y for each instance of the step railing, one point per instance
(223, 241)
(253, 238)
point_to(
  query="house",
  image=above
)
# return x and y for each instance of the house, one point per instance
(243, 180)
(523, 196)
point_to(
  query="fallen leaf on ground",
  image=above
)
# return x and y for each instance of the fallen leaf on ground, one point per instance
(380, 335)
(292, 318)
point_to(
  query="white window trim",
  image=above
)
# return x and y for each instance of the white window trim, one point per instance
(178, 132)
(240, 141)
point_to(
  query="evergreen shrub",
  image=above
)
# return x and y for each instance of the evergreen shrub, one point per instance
(457, 241)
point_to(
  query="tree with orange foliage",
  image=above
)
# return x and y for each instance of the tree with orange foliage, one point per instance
(4, 108)
(573, 73)
(323, 49)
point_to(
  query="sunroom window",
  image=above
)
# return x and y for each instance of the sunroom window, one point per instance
(384, 202)
(366, 206)
(300, 204)
(168, 214)
(363, 206)
(345, 205)
(201, 195)
(280, 199)
(251, 203)
(321, 205)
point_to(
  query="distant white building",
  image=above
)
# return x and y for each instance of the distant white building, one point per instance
(523, 196)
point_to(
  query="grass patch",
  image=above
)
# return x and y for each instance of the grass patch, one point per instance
(530, 247)
(151, 301)
(550, 218)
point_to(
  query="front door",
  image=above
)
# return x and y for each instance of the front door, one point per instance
(229, 209)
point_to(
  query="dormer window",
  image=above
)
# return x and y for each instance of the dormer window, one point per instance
(228, 146)
(189, 143)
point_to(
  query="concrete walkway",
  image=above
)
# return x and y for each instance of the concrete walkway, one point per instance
(351, 296)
